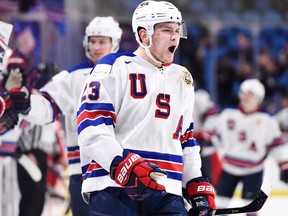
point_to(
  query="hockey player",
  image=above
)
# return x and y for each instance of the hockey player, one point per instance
(204, 108)
(135, 126)
(245, 137)
(60, 96)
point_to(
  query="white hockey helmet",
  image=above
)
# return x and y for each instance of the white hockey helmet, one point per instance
(255, 87)
(103, 26)
(149, 13)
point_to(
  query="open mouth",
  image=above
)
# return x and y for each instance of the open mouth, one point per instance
(172, 49)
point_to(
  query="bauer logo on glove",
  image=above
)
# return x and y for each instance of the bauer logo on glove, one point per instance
(137, 177)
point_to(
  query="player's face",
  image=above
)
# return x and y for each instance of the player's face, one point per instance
(249, 102)
(165, 41)
(99, 46)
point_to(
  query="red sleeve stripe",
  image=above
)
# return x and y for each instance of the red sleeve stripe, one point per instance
(94, 115)
(73, 154)
(188, 135)
(174, 167)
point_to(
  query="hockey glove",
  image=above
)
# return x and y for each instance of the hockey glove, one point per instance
(201, 196)
(284, 171)
(136, 176)
(20, 97)
(8, 120)
(9, 117)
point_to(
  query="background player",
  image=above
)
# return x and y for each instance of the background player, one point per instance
(245, 137)
(25, 140)
(204, 107)
(60, 96)
(135, 126)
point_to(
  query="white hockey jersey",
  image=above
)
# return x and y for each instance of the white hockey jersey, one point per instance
(128, 103)
(60, 96)
(203, 108)
(246, 140)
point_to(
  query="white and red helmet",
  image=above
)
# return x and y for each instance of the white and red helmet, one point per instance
(103, 26)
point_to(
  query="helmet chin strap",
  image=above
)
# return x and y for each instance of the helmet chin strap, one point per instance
(148, 53)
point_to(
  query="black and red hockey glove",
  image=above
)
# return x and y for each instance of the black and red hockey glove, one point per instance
(8, 120)
(9, 117)
(20, 97)
(136, 176)
(201, 196)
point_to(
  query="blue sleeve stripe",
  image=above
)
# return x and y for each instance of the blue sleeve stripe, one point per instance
(174, 175)
(190, 143)
(158, 156)
(56, 109)
(96, 173)
(74, 161)
(88, 122)
(72, 148)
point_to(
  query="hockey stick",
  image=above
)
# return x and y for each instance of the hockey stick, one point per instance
(260, 199)
(31, 168)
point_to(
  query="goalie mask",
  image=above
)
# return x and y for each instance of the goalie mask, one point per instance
(150, 13)
(103, 26)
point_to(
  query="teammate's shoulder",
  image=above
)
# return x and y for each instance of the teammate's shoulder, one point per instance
(83, 65)
(112, 57)
(105, 64)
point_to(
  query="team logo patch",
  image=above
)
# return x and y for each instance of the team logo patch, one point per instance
(187, 78)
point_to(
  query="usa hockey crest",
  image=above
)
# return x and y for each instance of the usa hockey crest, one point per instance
(187, 78)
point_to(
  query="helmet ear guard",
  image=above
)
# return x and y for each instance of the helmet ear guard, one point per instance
(103, 26)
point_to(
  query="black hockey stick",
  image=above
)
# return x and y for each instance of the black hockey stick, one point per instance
(260, 199)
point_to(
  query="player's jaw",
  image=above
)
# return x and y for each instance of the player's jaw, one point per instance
(98, 55)
(165, 54)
